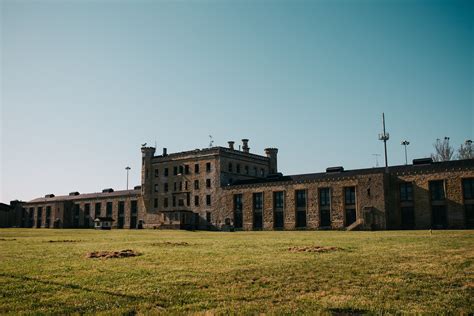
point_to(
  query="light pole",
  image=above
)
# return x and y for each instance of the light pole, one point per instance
(406, 143)
(128, 169)
(384, 137)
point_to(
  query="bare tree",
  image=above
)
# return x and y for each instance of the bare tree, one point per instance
(466, 151)
(443, 150)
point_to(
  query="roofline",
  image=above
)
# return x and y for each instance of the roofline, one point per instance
(208, 151)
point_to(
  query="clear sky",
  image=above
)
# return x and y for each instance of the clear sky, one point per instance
(84, 83)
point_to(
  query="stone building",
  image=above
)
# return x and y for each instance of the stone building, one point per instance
(221, 187)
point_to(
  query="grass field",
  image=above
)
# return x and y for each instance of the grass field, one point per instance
(243, 272)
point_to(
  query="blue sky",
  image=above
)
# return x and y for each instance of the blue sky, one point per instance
(84, 83)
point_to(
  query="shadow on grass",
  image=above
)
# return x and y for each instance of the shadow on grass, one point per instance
(70, 286)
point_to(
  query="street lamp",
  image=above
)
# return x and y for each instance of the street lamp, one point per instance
(128, 169)
(406, 143)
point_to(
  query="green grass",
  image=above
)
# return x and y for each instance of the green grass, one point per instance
(242, 272)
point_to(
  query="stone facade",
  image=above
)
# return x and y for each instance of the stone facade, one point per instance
(221, 187)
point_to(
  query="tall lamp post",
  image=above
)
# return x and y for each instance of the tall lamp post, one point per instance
(128, 169)
(406, 143)
(384, 137)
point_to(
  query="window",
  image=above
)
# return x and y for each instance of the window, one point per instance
(208, 199)
(349, 196)
(186, 185)
(180, 202)
(188, 199)
(196, 184)
(166, 172)
(468, 189)
(406, 191)
(156, 187)
(258, 201)
(48, 216)
(87, 210)
(208, 183)
(324, 197)
(181, 170)
(208, 166)
(196, 200)
(230, 169)
(175, 187)
(262, 172)
(97, 210)
(134, 207)
(166, 187)
(155, 203)
(208, 217)
(174, 200)
(186, 169)
(238, 216)
(255, 171)
(108, 209)
(196, 168)
(278, 200)
(408, 217)
(156, 172)
(238, 168)
(301, 198)
(246, 168)
(175, 170)
(437, 190)
(181, 185)
(165, 202)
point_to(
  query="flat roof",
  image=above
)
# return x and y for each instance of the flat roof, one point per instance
(88, 196)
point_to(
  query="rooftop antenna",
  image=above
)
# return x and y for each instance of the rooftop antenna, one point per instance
(155, 143)
(211, 141)
(384, 137)
(376, 159)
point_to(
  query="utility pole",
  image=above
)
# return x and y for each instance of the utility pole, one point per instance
(406, 143)
(384, 137)
(128, 169)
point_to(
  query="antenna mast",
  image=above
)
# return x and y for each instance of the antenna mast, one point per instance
(211, 141)
(384, 137)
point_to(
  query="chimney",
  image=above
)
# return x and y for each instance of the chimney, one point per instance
(272, 154)
(231, 144)
(245, 145)
(165, 152)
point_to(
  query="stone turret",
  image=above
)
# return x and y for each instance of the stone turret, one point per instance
(147, 155)
(272, 154)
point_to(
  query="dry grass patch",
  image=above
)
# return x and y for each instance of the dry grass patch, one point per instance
(112, 254)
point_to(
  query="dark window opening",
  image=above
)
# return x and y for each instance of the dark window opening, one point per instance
(408, 217)
(437, 190)
(165, 202)
(156, 173)
(196, 200)
(238, 207)
(438, 216)
(406, 192)
(196, 168)
(155, 203)
(208, 166)
(166, 172)
(468, 189)
(208, 183)
(208, 199)
(349, 196)
(196, 184)
(300, 198)
(350, 216)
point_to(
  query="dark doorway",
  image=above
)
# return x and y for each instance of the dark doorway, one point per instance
(121, 214)
(238, 219)
(438, 216)
(39, 216)
(325, 218)
(470, 216)
(408, 218)
(300, 219)
(350, 216)
(257, 220)
(278, 222)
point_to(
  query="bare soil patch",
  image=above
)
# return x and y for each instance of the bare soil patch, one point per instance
(65, 240)
(170, 243)
(4, 239)
(112, 254)
(313, 249)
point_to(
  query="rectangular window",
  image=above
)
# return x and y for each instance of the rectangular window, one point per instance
(155, 203)
(186, 169)
(48, 216)
(324, 197)
(165, 202)
(181, 185)
(301, 198)
(196, 168)
(166, 172)
(188, 199)
(349, 196)
(134, 207)
(262, 172)
(121, 214)
(180, 202)
(174, 200)
(258, 210)
(156, 172)
(166, 187)
(156, 187)
(208, 199)
(87, 209)
(97, 210)
(437, 190)
(175, 170)
(108, 209)
(255, 171)
(278, 200)
(246, 169)
(208, 217)
(208, 183)
(196, 184)
(406, 192)
(186, 185)
(230, 169)
(208, 166)
(258, 201)
(238, 168)
(468, 189)
(196, 200)
(238, 207)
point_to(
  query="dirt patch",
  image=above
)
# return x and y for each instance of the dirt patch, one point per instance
(112, 254)
(65, 240)
(313, 249)
(4, 239)
(170, 243)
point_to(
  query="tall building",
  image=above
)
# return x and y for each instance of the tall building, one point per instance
(232, 188)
